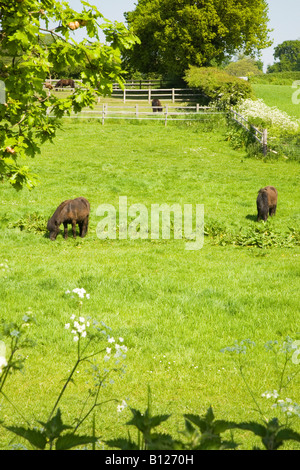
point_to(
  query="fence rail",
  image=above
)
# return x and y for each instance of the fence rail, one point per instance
(260, 136)
(130, 84)
(129, 94)
(172, 94)
(182, 113)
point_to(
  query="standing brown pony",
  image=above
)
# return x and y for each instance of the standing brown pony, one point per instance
(156, 105)
(65, 82)
(266, 202)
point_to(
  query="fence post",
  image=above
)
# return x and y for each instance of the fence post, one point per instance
(149, 95)
(265, 141)
(124, 95)
(173, 95)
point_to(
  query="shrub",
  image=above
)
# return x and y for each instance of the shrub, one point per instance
(218, 85)
(35, 223)
(280, 78)
(246, 67)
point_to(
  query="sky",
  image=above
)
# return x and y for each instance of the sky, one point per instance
(284, 18)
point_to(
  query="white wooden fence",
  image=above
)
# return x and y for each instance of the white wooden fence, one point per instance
(260, 136)
(182, 113)
(170, 94)
(134, 94)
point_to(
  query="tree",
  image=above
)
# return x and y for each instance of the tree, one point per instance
(288, 53)
(27, 59)
(176, 34)
(243, 67)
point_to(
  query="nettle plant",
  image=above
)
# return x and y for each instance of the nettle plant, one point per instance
(95, 346)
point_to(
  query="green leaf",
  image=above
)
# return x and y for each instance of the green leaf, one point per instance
(144, 422)
(256, 428)
(68, 441)
(123, 444)
(196, 420)
(36, 438)
(288, 434)
(55, 426)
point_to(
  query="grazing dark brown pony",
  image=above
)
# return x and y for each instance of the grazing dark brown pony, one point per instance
(72, 211)
(266, 202)
(65, 82)
(156, 105)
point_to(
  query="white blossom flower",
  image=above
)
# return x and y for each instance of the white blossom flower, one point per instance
(272, 394)
(288, 407)
(81, 292)
(122, 406)
(111, 340)
(79, 327)
(279, 119)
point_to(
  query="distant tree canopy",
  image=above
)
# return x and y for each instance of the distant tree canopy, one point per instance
(244, 67)
(288, 54)
(175, 34)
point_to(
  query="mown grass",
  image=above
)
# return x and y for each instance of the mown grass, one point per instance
(279, 96)
(175, 309)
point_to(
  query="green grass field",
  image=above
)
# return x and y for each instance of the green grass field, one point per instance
(175, 309)
(279, 96)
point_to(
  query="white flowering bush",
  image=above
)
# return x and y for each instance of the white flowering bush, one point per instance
(263, 116)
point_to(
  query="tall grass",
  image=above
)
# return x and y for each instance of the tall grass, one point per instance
(175, 308)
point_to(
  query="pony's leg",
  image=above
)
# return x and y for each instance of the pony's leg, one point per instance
(74, 228)
(65, 230)
(84, 227)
